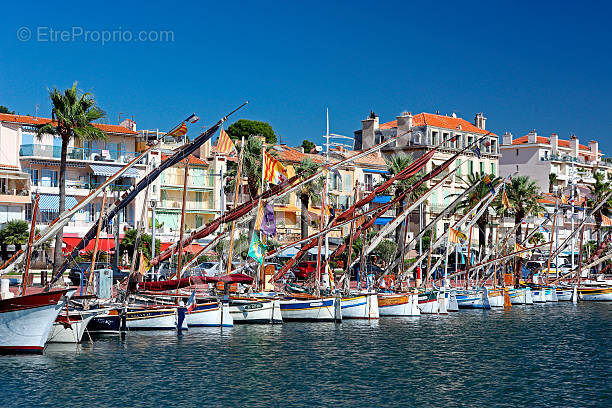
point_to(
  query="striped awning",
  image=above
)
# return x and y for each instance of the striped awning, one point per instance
(110, 170)
(51, 202)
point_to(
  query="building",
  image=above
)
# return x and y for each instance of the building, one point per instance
(539, 157)
(420, 133)
(30, 166)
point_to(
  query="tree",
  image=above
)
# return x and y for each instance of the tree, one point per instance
(16, 233)
(4, 109)
(73, 114)
(129, 241)
(308, 146)
(251, 167)
(552, 179)
(473, 199)
(308, 192)
(385, 250)
(536, 238)
(248, 128)
(523, 194)
(598, 191)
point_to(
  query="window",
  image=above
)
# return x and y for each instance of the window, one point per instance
(198, 197)
(517, 152)
(482, 167)
(199, 221)
(49, 178)
(458, 168)
(434, 138)
(493, 169)
(367, 180)
(470, 167)
(348, 183)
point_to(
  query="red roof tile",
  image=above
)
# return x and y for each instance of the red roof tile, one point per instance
(192, 160)
(441, 121)
(546, 140)
(30, 120)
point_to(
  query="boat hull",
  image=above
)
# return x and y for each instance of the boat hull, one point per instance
(70, 329)
(398, 305)
(112, 321)
(209, 314)
(564, 295)
(496, 298)
(254, 311)
(595, 294)
(25, 322)
(364, 306)
(473, 299)
(311, 310)
(155, 318)
(428, 302)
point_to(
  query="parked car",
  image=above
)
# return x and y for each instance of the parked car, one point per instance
(83, 268)
(304, 269)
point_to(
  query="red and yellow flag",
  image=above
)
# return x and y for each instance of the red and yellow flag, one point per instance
(225, 144)
(505, 201)
(456, 236)
(606, 221)
(274, 171)
(179, 131)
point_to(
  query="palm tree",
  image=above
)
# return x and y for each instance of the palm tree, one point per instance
(308, 193)
(473, 199)
(552, 179)
(523, 194)
(395, 165)
(73, 114)
(598, 192)
(15, 233)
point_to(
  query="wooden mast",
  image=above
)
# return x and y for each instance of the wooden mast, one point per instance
(96, 244)
(580, 256)
(318, 270)
(262, 271)
(26, 272)
(550, 251)
(469, 257)
(236, 190)
(347, 276)
(180, 246)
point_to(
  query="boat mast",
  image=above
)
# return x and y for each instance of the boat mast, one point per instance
(236, 190)
(322, 223)
(26, 272)
(180, 247)
(96, 243)
(262, 272)
(552, 233)
(469, 257)
(347, 276)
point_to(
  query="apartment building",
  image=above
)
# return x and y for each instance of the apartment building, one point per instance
(540, 157)
(30, 165)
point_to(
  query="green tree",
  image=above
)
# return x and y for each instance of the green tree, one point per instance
(308, 193)
(473, 199)
(552, 179)
(73, 114)
(129, 241)
(523, 194)
(308, 146)
(16, 233)
(4, 109)
(598, 191)
(536, 238)
(248, 128)
(385, 250)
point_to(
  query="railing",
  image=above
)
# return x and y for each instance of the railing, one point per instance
(189, 205)
(78, 184)
(569, 159)
(195, 182)
(76, 153)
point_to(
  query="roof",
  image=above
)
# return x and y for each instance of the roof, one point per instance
(546, 140)
(192, 160)
(549, 199)
(293, 155)
(30, 120)
(441, 121)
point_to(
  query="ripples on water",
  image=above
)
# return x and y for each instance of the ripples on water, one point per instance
(540, 355)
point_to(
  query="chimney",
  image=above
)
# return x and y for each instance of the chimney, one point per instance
(404, 125)
(554, 143)
(480, 121)
(532, 137)
(594, 149)
(369, 127)
(574, 143)
(128, 123)
(507, 138)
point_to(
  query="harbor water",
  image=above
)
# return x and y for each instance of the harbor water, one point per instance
(538, 355)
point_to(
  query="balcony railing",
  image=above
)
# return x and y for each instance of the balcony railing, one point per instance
(78, 184)
(568, 159)
(76, 153)
(189, 205)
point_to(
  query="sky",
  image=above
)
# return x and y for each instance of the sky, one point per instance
(525, 65)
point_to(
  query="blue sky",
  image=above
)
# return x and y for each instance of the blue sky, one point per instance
(526, 65)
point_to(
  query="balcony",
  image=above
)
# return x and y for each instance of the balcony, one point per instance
(78, 184)
(172, 181)
(189, 206)
(569, 159)
(76, 153)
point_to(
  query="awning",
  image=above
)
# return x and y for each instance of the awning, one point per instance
(382, 220)
(382, 199)
(191, 248)
(111, 170)
(51, 202)
(375, 171)
(104, 244)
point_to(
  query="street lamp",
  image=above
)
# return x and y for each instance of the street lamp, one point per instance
(153, 204)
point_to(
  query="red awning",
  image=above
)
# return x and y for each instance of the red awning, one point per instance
(104, 244)
(191, 248)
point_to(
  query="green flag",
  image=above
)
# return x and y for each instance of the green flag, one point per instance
(256, 250)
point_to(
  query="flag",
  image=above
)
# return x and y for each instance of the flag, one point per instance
(144, 265)
(476, 151)
(456, 236)
(256, 249)
(487, 143)
(331, 213)
(332, 283)
(259, 219)
(268, 223)
(564, 199)
(274, 171)
(180, 131)
(191, 303)
(487, 180)
(518, 247)
(193, 118)
(505, 201)
(225, 144)
(605, 221)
